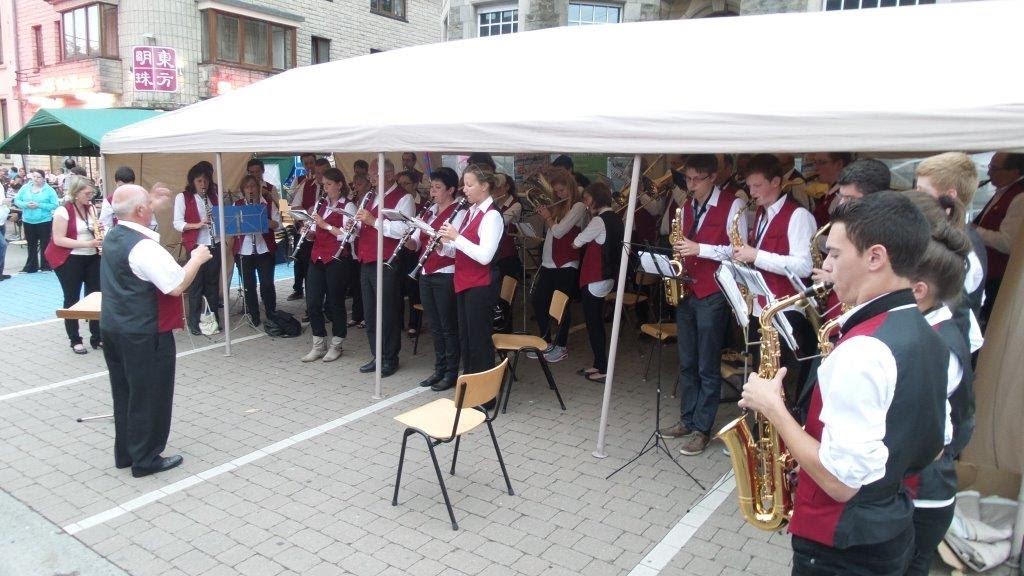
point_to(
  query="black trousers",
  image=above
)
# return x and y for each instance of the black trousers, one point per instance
(205, 285)
(437, 293)
(37, 236)
(796, 370)
(991, 291)
(549, 280)
(301, 264)
(263, 266)
(73, 274)
(406, 261)
(142, 385)
(511, 266)
(930, 525)
(593, 312)
(355, 289)
(391, 322)
(326, 284)
(883, 559)
(476, 316)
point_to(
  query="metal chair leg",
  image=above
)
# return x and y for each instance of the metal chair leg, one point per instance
(440, 480)
(501, 462)
(455, 455)
(401, 461)
(551, 379)
(508, 389)
(419, 330)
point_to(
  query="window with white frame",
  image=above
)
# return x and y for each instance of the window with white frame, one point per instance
(858, 4)
(583, 14)
(497, 21)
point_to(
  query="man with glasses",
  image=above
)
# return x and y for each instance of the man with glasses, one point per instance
(999, 221)
(703, 316)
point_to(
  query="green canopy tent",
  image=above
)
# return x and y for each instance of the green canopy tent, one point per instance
(71, 131)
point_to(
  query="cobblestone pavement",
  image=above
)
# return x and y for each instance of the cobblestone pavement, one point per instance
(289, 469)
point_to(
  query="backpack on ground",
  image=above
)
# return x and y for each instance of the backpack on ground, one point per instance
(282, 325)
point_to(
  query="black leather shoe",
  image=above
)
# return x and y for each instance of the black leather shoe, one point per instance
(297, 295)
(388, 369)
(432, 379)
(121, 465)
(369, 366)
(442, 386)
(159, 465)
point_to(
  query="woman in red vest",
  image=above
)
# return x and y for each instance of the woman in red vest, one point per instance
(477, 280)
(560, 262)
(601, 241)
(73, 252)
(327, 278)
(255, 252)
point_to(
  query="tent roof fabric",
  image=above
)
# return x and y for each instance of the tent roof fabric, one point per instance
(71, 131)
(919, 78)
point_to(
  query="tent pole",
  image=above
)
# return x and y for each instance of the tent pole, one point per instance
(225, 289)
(620, 289)
(379, 320)
(106, 191)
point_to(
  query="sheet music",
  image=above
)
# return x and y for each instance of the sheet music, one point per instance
(657, 264)
(300, 215)
(727, 282)
(526, 229)
(785, 329)
(753, 280)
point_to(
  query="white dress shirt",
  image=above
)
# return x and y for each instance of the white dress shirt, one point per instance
(577, 216)
(149, 261)
(514, 211)
(801, 229)
(490, 230)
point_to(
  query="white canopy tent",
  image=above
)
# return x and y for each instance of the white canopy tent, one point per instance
(928, 78)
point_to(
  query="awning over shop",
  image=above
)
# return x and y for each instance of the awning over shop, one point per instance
(71, 131)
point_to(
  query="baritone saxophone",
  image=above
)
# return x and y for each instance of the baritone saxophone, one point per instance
(761, 463)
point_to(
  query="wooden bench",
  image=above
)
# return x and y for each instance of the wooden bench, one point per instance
(87, 308)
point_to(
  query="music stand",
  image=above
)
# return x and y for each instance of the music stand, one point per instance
(655, 261)
(245, 220)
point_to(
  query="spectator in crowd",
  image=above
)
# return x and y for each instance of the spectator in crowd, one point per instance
(37, 201)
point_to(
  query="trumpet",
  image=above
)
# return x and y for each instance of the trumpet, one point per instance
(305, 232)
(405, 237)
(435, 240)
(353, 225)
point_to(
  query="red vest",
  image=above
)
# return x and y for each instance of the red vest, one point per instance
(562, 250)
(309, 192)
(507, 246)
(775, 239)
(714, 229)
(468, 272)
(58, 255)
(189, 237)
(991, 218)
(325, 244)
(366, 248)
(435, 261)
(268, 237)
(821, 215)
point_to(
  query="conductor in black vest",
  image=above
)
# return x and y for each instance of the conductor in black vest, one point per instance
(142, 287)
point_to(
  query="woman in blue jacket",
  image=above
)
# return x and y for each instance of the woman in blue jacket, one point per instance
(37, 201)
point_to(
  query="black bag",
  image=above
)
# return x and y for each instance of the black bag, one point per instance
(282, 325)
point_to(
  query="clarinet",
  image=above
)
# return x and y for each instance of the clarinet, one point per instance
(305, 233)
(406, 236)
(353, 226)
(435, 240)
(209, 217)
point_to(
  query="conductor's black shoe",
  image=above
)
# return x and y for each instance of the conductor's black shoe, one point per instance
(297, 295)
(432, 379)
(159, 465)
(122, 465)
(369, 366)
(442, 386)
(388, 369)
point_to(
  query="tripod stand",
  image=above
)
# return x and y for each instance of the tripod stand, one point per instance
(654, 263)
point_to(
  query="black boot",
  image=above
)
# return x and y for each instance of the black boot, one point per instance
(432, 379)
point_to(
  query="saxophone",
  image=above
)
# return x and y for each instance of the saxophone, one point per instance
(761, 463)
(736, 240)
(97, 228)
(675, 290)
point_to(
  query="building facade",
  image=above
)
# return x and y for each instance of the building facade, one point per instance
(81, 53)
